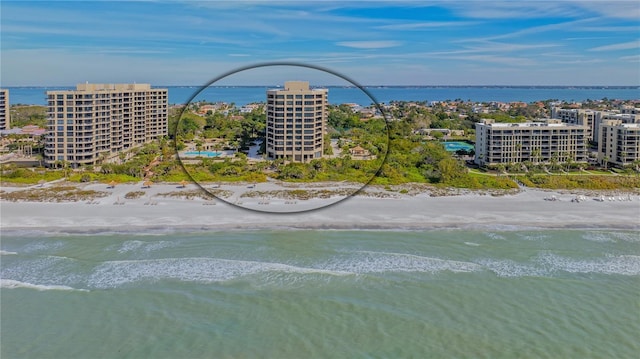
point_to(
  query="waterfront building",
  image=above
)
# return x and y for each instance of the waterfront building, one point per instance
(580, 117)
(592, 118)
(605, 116)
(630, 110)
(96, 122)
(538, 142)
(619, 143)
(5, 111)
(296, 122)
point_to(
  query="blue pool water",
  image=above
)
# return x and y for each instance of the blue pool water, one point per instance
(203, 153)
(457, 145)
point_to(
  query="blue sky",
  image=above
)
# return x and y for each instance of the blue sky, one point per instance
(51, 43)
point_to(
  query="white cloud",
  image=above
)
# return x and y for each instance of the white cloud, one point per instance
(427, 25)
(621, 46)
(628, 9)
(632, 58)
(514, 9)
(375, 44)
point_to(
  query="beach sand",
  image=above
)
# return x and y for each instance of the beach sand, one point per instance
(525, 209)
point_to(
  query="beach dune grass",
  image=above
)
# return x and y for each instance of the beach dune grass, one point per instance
(63, 193)
(581, 182)
(29, 176)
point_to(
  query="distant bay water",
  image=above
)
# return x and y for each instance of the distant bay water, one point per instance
(242, 95)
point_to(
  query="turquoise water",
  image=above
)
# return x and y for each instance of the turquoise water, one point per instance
(318, 294)
(203, 153)
(457, 145)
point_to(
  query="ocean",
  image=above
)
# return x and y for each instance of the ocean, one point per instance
(446, 293)
(243, 95)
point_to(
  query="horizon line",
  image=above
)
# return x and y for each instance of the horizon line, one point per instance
(345, 86)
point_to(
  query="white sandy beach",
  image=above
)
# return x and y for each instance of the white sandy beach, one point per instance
(527, 208)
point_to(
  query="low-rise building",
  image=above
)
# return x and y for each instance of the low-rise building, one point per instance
(538, 142)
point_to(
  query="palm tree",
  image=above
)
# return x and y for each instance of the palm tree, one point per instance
(519, 150)
(569, 160)
(554, 161)
(636, 165)
(605, 161)
(536, 153)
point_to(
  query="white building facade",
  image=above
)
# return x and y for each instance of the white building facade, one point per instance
(296, 122)
(537, 142)
(97, 121)
(5, 111)
(619, 143)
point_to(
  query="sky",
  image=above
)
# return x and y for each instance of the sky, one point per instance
(61, 43)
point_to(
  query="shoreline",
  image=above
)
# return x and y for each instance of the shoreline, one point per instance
(163, 207)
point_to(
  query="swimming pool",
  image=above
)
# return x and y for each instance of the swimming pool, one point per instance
(453, 146)
(203, 153)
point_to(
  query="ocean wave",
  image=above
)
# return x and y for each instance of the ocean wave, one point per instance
(548, 264)
(622, 264)
(380, 262)
(633, 237)
(507, 268)
(598, 236)
(48, 270)
(12, 284)
(43, 246)
(114, 274)
(493, 235)
(142, 246)
(532, 237)
(5, 253)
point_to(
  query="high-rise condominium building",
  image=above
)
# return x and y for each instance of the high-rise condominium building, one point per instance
(619, 142)
(97, 121)
(538, 142)
(593, 118)
(5, 111)
(296, 121)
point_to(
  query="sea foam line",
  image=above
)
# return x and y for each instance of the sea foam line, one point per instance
(196, 269)
(13, 284)
(379, 262)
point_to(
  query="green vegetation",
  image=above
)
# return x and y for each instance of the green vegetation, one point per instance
(410, 158)
(27, 176)
(53, 194)
(581, 182)
(134, 194)
(23, 115)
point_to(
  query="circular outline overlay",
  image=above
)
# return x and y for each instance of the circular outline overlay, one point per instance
(269, 64)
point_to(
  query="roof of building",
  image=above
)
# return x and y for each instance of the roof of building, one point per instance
(541, 123)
